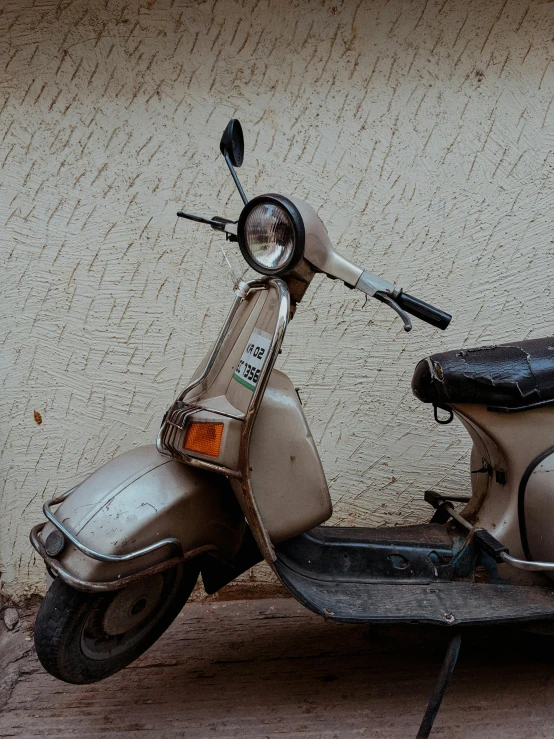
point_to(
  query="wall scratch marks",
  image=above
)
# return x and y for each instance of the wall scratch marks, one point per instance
(423, 134)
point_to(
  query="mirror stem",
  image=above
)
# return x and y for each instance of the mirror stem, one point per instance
(236, 179)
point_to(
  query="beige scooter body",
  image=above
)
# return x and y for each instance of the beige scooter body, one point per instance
(268, 461)
(235, 477)
(505, 446)
(510, 418)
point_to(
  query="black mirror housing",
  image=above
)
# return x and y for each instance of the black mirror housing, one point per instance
(232, 142)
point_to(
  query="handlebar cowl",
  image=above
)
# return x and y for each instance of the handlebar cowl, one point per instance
(319, 250)
(423, 311)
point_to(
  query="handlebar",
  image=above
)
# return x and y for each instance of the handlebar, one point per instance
(423, 311)
(327, 260)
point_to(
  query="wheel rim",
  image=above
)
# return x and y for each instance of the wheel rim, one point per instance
(117, 622)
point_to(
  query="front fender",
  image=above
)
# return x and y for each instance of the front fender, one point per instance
(137, 499)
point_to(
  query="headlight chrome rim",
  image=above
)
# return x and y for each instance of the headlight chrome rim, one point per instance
(298, 228)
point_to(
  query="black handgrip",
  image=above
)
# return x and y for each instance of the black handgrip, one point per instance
(423, 311)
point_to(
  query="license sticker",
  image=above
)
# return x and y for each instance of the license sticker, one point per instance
(253, 357)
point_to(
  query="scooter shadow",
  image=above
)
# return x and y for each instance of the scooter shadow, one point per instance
(272, 669)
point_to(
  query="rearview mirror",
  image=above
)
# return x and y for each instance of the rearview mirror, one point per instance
(232, 142)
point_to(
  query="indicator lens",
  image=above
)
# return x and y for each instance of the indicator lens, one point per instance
(204, 438)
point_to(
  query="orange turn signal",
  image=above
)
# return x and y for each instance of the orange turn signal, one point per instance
(204, 438)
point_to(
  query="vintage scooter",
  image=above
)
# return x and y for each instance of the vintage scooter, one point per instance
(235, 478)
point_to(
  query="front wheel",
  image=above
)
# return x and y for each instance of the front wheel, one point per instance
(85, 637)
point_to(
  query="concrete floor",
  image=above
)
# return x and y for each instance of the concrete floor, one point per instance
(269, 668)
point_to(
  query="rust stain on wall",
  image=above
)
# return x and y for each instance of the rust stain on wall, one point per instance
(422, 133)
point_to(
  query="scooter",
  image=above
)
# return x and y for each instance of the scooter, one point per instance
(235, 478)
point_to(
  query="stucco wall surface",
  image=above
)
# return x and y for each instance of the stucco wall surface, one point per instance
(421, 131)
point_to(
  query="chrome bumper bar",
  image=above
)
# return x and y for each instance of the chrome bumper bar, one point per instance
(91, 586)
(91, 552)
(54, 565)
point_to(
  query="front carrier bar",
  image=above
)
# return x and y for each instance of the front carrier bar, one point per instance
(174, 422)
(177, 416)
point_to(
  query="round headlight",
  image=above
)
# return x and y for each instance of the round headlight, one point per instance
(271, 234)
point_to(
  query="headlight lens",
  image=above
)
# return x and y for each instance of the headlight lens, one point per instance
(269, 236)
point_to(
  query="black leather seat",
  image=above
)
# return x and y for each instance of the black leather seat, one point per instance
(504, 377)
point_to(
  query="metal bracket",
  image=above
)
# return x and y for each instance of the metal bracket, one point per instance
(437, 500)
(448, 410)
(89, 586)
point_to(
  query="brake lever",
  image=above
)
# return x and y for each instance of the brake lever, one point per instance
(229, 227)
(385, 298)
(217, 223)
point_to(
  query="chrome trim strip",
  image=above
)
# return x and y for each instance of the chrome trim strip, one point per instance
(225, 414)
(211, 467)
(254, 519)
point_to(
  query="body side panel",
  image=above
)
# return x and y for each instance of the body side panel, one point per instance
(508, 443)
(288, 480)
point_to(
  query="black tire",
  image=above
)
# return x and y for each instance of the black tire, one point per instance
(85, 637)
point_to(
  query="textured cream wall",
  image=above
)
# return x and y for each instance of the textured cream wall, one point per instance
(421, 131)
